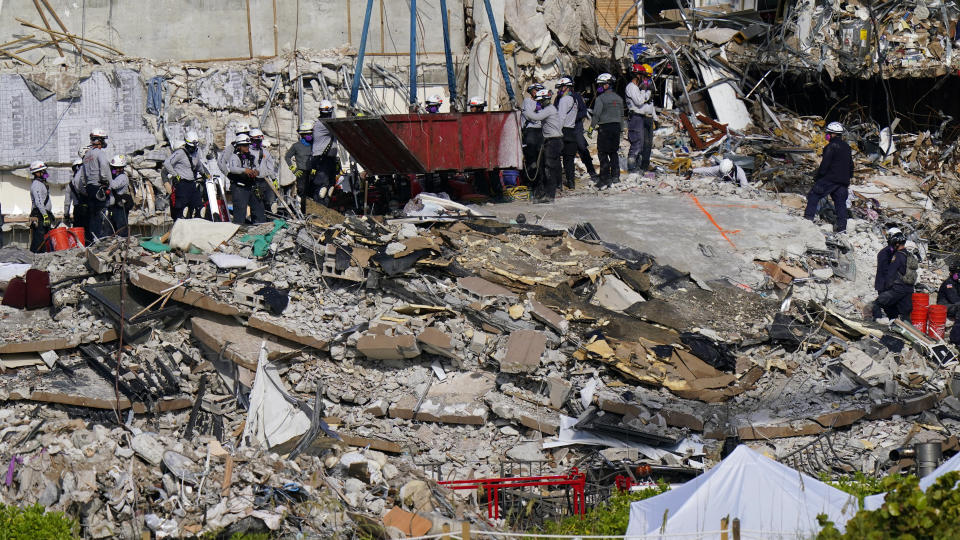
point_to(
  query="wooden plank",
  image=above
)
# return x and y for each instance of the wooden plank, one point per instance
(694, 136)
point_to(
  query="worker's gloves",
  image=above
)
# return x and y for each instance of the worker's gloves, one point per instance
(47, 220)
(590, 132)
(276, 183)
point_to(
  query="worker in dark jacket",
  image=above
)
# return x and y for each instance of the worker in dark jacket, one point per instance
(894, 236)
(895, 301)
(949, 293)
(608, 114)
(532, 138)
(833, 177)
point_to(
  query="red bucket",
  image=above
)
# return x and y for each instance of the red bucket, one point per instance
(936, 320)
(918, 318)
(920, 299)
(80, 234)
(60, 239)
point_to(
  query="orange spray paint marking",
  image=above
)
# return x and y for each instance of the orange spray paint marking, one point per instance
(723, 232)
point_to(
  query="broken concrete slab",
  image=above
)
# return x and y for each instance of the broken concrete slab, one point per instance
(549, 317)
(147, 446)
(864, 369)
(558, 389)
(458, 400)
(524, 350)
(482, 289)
(275, 325)
(435, 341)
(158, 284)
(242, 343)
(615, 295)
(383, 347)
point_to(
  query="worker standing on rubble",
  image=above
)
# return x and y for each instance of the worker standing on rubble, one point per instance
(266, 165)
(120, 201)
(552, 124)
(884, 257)
(727, 171)
(241, 129)
(433, 104)
(298, 158)
(41, 211)
(608, 114)
(949, 295)
(532, 137)
(833, 177)
(895, 301)
(567, 107)
(583, 113)
(96, 179)
(640, 116)
(188, 173)
(243, 180)
(75, 210)
(324, 157)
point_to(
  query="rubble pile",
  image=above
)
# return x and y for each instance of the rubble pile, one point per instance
(322, 376)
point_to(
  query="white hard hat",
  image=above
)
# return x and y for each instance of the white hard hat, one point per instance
(82, 151)
(893, 230)
(605, 78)
(326, 106)
(118, 160)
(242, 128)
(255, 132)
(435, 99)
(477, 101)
(191, 138)
(726, 166)
(543, 95)
(76, 162)
(305, 127)
(242, 138)
(835, 127)
(98, 133)
(564, 81)
(37, 166)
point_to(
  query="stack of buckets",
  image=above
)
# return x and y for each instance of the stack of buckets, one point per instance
(61, 238)
(928, 319)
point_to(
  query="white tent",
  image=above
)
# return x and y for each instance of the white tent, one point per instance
(953, 464)
(770, 499)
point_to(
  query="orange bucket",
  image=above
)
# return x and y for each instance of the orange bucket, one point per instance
(60, 239)
(918, 317)
(80, 234)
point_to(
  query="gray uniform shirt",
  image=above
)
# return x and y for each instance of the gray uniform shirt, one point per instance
(607, 109)
(76, 184)
(737, 173)
(40, 197)
(529, 105)
(300, 154)
(549, 118)
(235, 165)
(634, 98)
(96, 167)
(119, 185)
(323, 137)
(178, 164)
(568, 110)
(266, 164)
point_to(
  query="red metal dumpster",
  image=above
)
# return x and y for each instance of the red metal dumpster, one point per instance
(424, 143)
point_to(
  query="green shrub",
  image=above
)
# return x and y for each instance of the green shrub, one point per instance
(859, 485)
(32, 523)
(610, 518)
(907, 512)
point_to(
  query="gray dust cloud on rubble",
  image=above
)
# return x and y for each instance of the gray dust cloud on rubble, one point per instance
(325, 374)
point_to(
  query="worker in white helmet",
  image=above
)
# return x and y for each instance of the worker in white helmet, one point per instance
(833, 177)
(477, 104)
(242, 172)
(325, 161)
(75, 198)
(41, 211)
(240, 128)
(726, 171)
(120, 202)
(299, 158)
(267, 165)
(433, 103)
(187, 172)
(96, 180)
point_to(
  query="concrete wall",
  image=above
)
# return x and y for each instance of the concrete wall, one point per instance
(210, 29)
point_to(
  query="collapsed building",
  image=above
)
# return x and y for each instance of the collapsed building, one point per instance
(336, 373)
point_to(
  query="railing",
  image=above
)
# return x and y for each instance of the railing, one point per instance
(492, 486)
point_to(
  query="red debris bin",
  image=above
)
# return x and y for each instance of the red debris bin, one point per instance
(426, 143)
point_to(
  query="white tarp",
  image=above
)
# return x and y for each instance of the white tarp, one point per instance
(770, 499)
(730, 109)
(200, 233)
(953, 464)
(272, 420)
